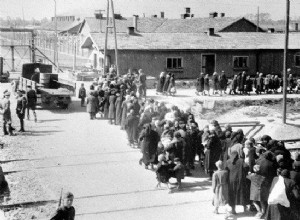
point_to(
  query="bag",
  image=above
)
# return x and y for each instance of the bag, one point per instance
(278, 193)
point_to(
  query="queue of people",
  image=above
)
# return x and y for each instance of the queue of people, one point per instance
(243, 84)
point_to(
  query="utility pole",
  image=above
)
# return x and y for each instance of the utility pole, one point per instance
(55, 38)
(74, 59)
(106, 35)
(257, 24)
(115, 36)
(286, 44)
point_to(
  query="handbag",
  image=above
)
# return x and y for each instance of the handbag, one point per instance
(278, 193)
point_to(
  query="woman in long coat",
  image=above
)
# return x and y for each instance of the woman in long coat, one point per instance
(161, 82)
(237, 181)
(223, 82)
(112, 107)
(172, 85)
(124, 111)
(215, 82)
(200, 84)
(105, 104)
(213, 152)
(167, 82)
(118, 105)
(149, 140)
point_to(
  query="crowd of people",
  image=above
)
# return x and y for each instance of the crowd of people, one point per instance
(245, 172)
(243, 84)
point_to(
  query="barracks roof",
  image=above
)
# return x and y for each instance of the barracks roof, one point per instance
(194, 41)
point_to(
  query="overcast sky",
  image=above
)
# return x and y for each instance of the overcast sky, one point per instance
(172, 8)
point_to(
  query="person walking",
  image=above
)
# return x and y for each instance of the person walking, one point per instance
(206, 84)
(82, 94)
(200, 84)
(223, 83)
(161, 82)
(215, 83)
(21, 107)
(142, 87)
(31, 102)
(112, 107)
(233, 85)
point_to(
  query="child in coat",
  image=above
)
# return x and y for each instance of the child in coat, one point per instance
(220, 187)
(67, 211)
(162, 171)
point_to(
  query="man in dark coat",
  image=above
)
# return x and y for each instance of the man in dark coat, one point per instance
(194, 139)
(82, 94)
(223, 83)
(31, 102)
(20, 109)
(6, 113)
(200, 84)
(142, 84)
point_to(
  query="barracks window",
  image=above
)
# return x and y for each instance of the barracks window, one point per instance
(174, 63)
(297, 60)
(240, 62)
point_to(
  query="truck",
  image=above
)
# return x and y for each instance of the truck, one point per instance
(52, 92)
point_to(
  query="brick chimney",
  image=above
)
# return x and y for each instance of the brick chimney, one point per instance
(213, 14)
(130, 30)
(135, 21)
(211, 32)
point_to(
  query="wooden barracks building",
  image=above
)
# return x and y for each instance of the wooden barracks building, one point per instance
(190, 45)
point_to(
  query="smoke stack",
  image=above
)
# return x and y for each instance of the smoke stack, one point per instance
(187, 10)
(296, 27)
(162, 14)
(130, 30)
(135, 18)
(211, 31)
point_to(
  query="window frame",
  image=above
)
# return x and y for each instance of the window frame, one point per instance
(234, 67)
(172, 68)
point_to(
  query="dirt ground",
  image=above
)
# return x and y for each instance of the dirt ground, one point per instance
(64, 149)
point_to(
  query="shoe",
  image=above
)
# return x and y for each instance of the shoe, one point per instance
(21, 130)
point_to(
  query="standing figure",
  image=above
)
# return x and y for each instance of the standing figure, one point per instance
(215, 83)
(112, 107)
(223, 83)
(172, 88)
(206, 84)
(20, 110)
(142, 84)
(248, 86)
(5, 110)
(200, 84)
(82, 94)
(91, 105)
(131, 126)
(31, 102)
(259, 84)
(233, 85)
(291, 83)
(118, 105)
(161, 82)
(167, 82)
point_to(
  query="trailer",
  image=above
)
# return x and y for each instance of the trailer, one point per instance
(52, 91)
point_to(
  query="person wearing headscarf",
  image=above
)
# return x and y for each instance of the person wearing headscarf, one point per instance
(112, 107)
(200, 84)
(91, 105)
(259, 84)
(125, 103)
(131, 127)
(149, 140)
(237, 181)
(206, 84)
(161, 82)
(233, 85)
(284, 210)
(118, 106)
(166, 83)
(213, 152)
(237, 140)
(215, 83)
(267, 169)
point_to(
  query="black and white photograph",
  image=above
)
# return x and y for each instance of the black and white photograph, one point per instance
(149, 109)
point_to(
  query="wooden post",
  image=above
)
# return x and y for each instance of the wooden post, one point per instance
(115, 36)
(12, 57)
(257, 24)
(287, 21)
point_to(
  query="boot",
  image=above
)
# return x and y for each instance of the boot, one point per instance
(5, 130)
(22, 125)
(10, 130)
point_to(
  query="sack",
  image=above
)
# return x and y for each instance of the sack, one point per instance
(278, 193)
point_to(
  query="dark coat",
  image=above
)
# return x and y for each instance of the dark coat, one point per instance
(92, 104)
(166, 84)
(234, 84)
(149, 142)
(160, 84)
(215, 82)
(213, 153)
(248, 87)
(223, 82)
(112, 107)
(82, 93)
(118, 105)
(124, 114)
(237, 182)
(131, 126)
(200, 84)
